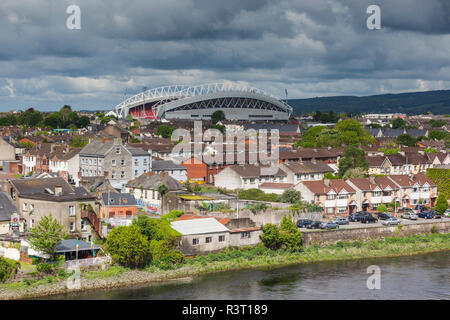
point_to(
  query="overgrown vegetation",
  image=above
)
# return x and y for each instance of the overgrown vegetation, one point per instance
(442, 178)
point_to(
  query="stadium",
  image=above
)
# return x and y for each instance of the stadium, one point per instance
(238, 102)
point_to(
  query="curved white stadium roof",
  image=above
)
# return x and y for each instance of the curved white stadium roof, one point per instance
(181, 101)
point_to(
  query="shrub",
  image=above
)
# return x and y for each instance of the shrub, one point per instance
(45, 268)
(441, 204)
(8, 268)
(382, 208)
(128, 246)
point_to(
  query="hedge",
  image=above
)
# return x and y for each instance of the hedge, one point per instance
(442, 178)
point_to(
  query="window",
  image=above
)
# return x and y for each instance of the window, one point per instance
(83, 225)
(24, 206)
(31, 223)
(331, 197)
(135, 172)
(208, 239)
(31, 207)
(118, 150)
(221, 238)
(122, 174)
(195, 241)
(113, 162)
(245, 234)
(136, 162)
(330, 210)
(145, 162)
(342, 196)
(71, 211)
(122, 162)
(72, 226)
(342, 209)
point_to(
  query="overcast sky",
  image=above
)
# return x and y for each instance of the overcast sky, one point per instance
(309, 47)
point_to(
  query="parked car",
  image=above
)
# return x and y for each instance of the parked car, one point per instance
(341, 221)
(447, 213)
(302, 223)
(434, 214)
(391, 221)
(405, 210)
(329, 225)
(409, 216)
(355, 217)
(383, 216)
(368, 219)
(421, 208)
(425, 215)
(314, 225)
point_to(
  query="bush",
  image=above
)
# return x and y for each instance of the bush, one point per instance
(258, 195)
(441, 204)
(8, 268)
(45, 268)
(382, 208)
(286, 237)
(128, 246)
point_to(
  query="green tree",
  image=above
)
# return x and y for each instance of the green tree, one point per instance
(290, 236)
(217, 116)
(291, 196)
(47, 233)
(128, 246)
(257, 207)
(441, 204)
(129, 118)
(382, 208)
(270, 236)
(355, 173)
(437, 135)
(53, 120)
(399, 123)
(353, 157)
(8, 268)
(26, 144)
(164, 130)
(406, 140)
(84, 122)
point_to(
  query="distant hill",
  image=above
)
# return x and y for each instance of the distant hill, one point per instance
(438, 102)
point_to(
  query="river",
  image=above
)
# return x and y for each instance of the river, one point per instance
(424, 276)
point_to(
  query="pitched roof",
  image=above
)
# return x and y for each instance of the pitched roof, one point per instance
(308, 167)
(44, 189)
(320, 187)
(118, 199)
(253, 171)
(7, 207)
(153, 181)
(275, 185)
(164, 165)
(97, 147)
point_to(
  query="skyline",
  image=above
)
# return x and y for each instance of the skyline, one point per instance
(311, 48)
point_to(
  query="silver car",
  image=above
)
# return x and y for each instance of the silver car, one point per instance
(340, 221)
(390, 222)
(409, 215)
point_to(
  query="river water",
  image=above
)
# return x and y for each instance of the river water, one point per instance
(415, 277)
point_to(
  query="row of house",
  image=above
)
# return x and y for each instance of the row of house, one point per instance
(356, 194)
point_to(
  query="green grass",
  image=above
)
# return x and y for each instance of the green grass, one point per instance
(111, 272)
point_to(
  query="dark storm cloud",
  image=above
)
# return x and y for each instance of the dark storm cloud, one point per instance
(311, 47)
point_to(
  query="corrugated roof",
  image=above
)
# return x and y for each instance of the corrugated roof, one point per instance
(198, 226)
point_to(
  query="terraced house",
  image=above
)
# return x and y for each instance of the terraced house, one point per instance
(336, 197)
(373, 191)
(114, 160)
(415, 189)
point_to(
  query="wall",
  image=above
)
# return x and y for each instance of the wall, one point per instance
(189, 249)
(236, 240)
(269, 216)
(332, 236)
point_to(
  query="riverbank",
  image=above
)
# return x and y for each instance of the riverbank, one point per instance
(232, 260)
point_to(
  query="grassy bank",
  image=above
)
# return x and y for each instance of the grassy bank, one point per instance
(229, 260)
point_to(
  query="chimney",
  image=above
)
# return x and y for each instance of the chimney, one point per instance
(58, 190)
(372, 179)
(326, 182)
